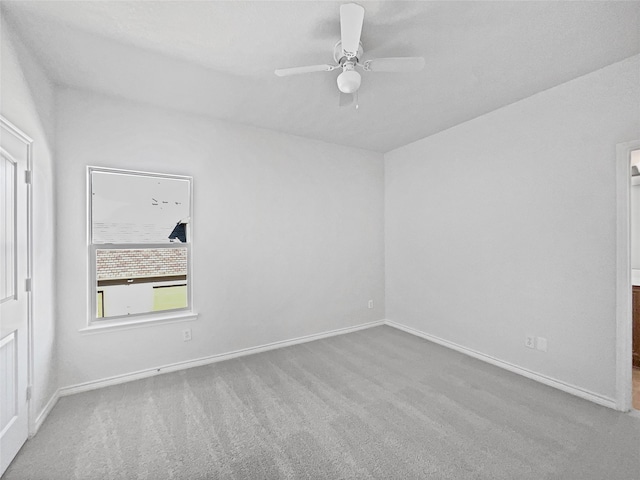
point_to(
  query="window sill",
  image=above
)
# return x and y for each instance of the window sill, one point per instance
(110, 326)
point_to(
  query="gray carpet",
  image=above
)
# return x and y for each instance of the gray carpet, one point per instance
(378, 403)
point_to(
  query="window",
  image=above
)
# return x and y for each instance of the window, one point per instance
(139, 246)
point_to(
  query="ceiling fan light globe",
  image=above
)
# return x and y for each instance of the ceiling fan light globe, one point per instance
(349, 81)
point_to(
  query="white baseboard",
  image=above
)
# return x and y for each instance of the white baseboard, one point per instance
(552, 382)
(44, 413)
(150, 372)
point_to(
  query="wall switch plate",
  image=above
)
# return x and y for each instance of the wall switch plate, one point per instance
(370, 304)
(186, 335)
(541, 344)
(530, 341)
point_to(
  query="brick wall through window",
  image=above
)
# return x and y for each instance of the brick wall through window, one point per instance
(139, 263)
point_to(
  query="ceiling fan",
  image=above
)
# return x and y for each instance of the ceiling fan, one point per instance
(348, 54)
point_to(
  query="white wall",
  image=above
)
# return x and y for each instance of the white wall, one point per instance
(28, 102)
(505, 226)
(287, 233)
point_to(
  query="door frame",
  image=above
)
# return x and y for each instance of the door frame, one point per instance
(9, 127)
(624, 321)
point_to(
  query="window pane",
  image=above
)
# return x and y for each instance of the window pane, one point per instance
(169, 298)
(130, 280)
(138, 208)
(100, 313)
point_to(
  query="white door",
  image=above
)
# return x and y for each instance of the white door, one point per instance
(14, 295)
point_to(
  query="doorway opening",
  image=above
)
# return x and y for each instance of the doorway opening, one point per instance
(634, 226)
(625, 277)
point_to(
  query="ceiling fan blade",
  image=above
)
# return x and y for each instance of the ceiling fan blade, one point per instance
(351, 18)
(349, 99)
(394, 64)
(346, 99)
(283, 72)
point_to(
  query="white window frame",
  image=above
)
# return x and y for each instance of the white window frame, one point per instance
(96, 323)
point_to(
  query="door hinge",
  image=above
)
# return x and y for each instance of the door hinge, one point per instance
(27, 286)
(27, 176)
(28, 393)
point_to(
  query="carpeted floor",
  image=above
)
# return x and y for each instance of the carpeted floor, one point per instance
(378, 403)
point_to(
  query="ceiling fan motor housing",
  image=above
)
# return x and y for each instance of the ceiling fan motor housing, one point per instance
(340, 56)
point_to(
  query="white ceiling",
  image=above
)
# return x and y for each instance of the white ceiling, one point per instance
(217, 58)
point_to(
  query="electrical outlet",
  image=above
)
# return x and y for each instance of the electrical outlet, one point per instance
(530, 341)
(541, 344)
(186, 335)
(370, 304)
